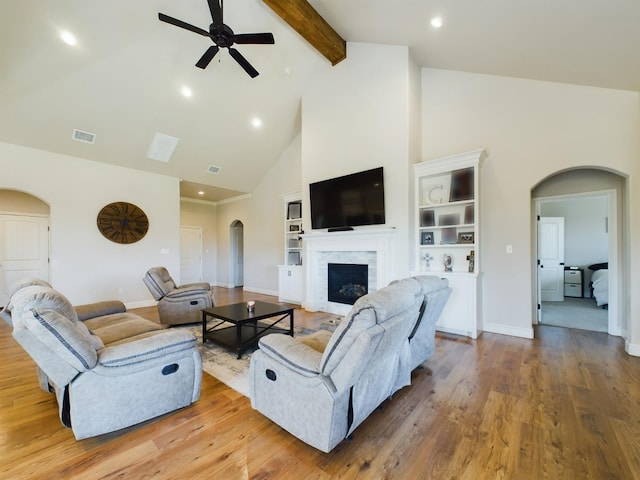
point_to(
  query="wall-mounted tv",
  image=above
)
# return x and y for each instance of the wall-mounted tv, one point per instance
(349, 201)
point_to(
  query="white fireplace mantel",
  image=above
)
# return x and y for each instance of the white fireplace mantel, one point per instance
(378, 241)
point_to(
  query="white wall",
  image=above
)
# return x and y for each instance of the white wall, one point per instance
(12, 201)
(356, 117)
(531, 130)
(196, 213)
(262, 215)
(585, 229)
(84, 265)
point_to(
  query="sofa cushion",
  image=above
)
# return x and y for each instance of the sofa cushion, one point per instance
(13, 289)
(119, 326)
(43, 298)
(369, 310)
(159, 282)
(62, 336)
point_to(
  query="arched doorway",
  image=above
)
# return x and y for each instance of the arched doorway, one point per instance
(591, 203)
(237, 253)
(24, 239)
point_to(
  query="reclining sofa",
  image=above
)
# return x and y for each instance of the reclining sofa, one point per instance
(322, 386)
(108, 368)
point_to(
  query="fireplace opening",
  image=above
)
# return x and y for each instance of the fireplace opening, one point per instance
(347, 282)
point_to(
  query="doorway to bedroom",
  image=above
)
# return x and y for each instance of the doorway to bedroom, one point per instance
(575, 242)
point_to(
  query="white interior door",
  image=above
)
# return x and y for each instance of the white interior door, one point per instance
(190, 255)
(24, 250)
(237, 254)
(551, 258)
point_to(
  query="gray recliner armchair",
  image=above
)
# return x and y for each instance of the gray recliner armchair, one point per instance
(322, 386)
(108, 368)
(177, 304)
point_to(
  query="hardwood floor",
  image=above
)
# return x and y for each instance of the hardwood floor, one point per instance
(563, 406)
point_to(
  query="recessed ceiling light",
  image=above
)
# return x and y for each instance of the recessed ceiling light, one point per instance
(200, 192)
(436, 22)
(68, 37)
(186, 91)
(256, 122)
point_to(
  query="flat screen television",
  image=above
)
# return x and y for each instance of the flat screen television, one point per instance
(349, 201)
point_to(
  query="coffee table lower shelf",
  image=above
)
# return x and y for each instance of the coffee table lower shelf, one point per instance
(227, 336)
(245, 327)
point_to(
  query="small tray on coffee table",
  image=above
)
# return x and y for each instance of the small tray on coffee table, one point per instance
(245, 329)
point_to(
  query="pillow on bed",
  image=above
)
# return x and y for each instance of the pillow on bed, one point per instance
(599, 266)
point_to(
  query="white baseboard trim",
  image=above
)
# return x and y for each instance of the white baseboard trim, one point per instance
(508, 330)
(632, 348)
(248, 288)
(141, 304)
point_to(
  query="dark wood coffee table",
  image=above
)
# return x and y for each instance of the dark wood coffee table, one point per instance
(245, 330)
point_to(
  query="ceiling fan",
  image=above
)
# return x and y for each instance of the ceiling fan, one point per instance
(223, 37)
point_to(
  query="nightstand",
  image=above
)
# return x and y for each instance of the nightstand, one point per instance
(573, 282)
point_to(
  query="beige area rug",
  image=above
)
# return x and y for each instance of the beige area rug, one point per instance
(223, 365)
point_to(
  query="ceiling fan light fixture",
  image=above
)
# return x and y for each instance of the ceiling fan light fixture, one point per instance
(222, 36)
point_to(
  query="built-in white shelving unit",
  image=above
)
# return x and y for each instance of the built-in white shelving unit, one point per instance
(448, 236)
(290, 277)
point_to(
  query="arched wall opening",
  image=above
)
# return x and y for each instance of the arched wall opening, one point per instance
(587, 183)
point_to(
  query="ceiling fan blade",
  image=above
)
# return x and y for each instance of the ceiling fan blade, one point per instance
(207, 57)
(179, 23)
(258, 38)
(216, 11)
(253, 73)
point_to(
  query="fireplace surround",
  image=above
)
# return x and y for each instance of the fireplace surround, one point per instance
(366, 246)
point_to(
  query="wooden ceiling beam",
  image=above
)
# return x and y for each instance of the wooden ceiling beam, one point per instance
(305, 20)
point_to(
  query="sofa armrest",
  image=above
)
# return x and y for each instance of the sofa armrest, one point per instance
(183, 292)
(291, 353)
(195, 286)
(99, 309)
(161, 343)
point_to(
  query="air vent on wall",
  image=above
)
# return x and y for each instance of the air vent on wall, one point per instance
(214, 169)
(82, 136)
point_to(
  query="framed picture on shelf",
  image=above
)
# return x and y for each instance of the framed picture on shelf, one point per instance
(448, 219)
(427, 218)
(294, 243)
(461, 185)
(294, 258)
(426, 238)
(448, 236)
(294, 210)
(468, 215)
(435, 189)
(465, 237)
(294, 228)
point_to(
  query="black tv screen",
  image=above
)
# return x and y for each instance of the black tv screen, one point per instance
(348, 201)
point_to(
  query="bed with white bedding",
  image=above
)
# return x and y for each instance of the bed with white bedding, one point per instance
(600, 286)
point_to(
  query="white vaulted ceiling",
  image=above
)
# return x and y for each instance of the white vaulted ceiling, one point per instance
(122, 80)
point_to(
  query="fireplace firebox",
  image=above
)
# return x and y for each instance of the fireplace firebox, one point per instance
(347, 282)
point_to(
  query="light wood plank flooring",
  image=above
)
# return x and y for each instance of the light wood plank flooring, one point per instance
(563, 406)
